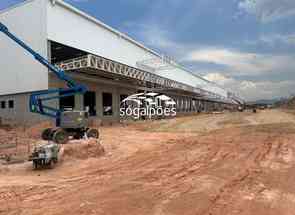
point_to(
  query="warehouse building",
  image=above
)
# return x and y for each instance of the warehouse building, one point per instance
(111, 64)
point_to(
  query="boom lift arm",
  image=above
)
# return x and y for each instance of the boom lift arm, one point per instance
(37, 99)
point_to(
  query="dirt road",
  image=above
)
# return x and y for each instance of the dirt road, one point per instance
(240, 163)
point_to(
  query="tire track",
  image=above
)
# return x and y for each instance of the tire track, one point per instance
(225, 198)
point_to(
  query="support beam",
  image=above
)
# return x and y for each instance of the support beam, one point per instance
(100, 65)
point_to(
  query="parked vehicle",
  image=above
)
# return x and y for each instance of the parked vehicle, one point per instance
(45, 155)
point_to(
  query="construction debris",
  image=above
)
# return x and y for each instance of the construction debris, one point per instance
(83, 149)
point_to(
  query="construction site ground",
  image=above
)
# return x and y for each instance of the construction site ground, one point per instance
(232, 163)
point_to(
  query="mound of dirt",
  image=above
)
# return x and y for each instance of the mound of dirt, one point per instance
(84, 149)
(36, 130)
(2, 132)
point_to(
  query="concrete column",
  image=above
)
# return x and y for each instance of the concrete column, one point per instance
(178, 104)
(49, 50)
(212, 104)
(203, 105)
(200, 106)
(206, 106)
(99, 110)
(79, 102)
(116, 103)
(189, 104)
(195, 106)
(209, 106)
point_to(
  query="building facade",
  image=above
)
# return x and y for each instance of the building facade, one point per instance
(110, 63)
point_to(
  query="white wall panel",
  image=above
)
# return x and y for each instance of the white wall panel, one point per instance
(73, 29)
(182, 76)
(215, 89)
(19, 71)
(35, 21)
(67, 27)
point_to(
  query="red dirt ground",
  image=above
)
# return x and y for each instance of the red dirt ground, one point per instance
(241, 163)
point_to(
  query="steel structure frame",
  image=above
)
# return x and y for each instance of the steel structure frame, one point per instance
(112, 67)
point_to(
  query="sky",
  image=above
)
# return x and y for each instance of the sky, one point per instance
(247, 46)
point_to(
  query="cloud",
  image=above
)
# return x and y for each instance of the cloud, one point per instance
(238, 64)
(243, 63)
(268, 10)
(225, 66)
(234, 63)
(219, 78)
(151, 34)
(253, 90)
(79, 1)
(273, 39)
(157, 38)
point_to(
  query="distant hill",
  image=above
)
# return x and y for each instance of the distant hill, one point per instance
(290, 103)
(286, 103)
(269, 101)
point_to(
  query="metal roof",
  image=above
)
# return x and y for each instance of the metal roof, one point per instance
(101, 24)
(88, 17)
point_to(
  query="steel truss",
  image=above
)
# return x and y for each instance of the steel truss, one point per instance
(109, 66)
